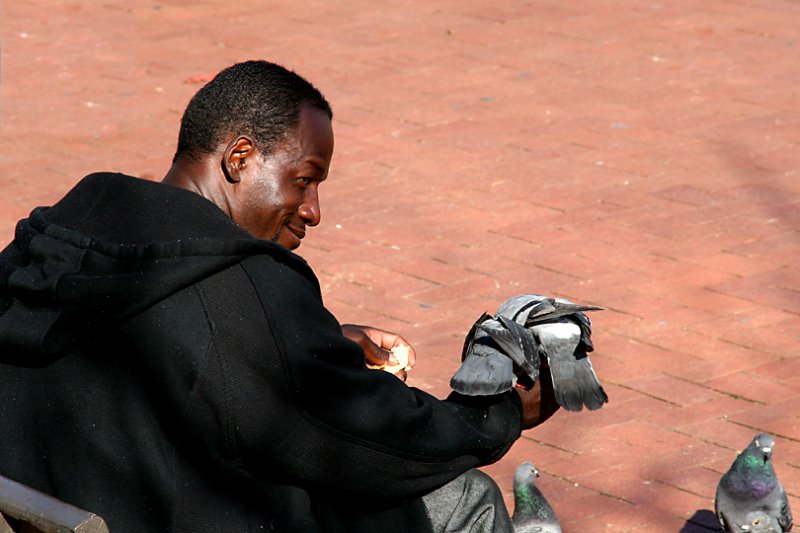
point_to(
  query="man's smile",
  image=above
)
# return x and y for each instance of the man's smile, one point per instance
(295, 235)
(299, 231)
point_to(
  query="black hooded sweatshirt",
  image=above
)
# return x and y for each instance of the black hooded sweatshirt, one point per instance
(164, 369)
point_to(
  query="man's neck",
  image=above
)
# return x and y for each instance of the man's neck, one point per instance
(202, 176)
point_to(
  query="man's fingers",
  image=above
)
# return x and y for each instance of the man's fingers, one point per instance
(379, 347)
(378, 356)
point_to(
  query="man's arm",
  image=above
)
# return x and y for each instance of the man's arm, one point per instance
(342, 426)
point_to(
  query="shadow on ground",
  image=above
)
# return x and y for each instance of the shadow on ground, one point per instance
(702, 521)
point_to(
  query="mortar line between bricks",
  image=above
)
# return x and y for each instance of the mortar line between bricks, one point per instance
(377, 312)
(467, 269)
(548, 269)
(652, 345)
(681, 489)
(754, 428)
(432, 282)
(387, 315)
(746, 256)
(729, 394)
(653, 396)
(715, 472)
(664, 256)
(627, 313)
(476, 271)
(514, 237)
(782, 308)
(598, 491)
(542, 443)
(679, 432)
(340, 278)
(548, 207)
(720, 339)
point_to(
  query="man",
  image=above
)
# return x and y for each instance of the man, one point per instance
(166, 361)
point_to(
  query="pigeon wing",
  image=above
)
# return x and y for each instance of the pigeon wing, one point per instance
(785, 519)
(723, 507)
(516, 342)
(574, 381)
(469, 340)
(484, 371)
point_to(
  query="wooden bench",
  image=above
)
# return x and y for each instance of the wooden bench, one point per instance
(25, 510)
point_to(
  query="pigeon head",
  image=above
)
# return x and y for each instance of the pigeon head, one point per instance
(762, 445)
(525, 474)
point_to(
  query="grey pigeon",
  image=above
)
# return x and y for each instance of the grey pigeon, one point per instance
(760, 522)
(506, 350)
(750, 487)
(532, 513)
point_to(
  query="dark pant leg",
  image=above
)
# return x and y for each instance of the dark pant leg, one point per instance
(471, 503)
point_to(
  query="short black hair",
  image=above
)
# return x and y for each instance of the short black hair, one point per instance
(255, 98)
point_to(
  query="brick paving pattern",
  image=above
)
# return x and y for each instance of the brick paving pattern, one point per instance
(640, 156)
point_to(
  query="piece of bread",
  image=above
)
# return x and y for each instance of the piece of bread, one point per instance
(401, 353)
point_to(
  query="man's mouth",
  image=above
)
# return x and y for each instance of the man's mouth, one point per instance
(299, 232)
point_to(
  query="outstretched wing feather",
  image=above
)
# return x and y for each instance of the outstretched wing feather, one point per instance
(483, 372)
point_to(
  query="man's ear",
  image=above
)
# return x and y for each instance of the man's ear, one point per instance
(234, 160)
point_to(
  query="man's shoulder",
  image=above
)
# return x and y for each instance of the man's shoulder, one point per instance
(122, 209)
(281, 268)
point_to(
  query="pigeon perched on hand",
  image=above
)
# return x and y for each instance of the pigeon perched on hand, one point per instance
(508, 349)
(750, 487)
(532, 513)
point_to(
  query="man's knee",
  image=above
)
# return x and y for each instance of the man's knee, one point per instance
(470, 503)
(478, 482)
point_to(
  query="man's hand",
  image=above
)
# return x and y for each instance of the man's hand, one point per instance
(377, 345)
(539, 403)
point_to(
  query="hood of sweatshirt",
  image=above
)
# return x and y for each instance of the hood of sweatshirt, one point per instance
(113, 246)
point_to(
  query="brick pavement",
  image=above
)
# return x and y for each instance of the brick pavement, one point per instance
(641, 156)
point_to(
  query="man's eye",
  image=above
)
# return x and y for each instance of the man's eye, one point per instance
(305, 181)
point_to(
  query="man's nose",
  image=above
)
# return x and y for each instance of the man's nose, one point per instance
(309, 209)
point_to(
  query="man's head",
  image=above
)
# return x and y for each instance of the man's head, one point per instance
(257, 141)
(255, 98)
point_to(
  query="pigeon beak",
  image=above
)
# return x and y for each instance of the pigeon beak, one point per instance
(767, 451)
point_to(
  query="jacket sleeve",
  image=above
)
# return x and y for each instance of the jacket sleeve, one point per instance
(306, 409)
